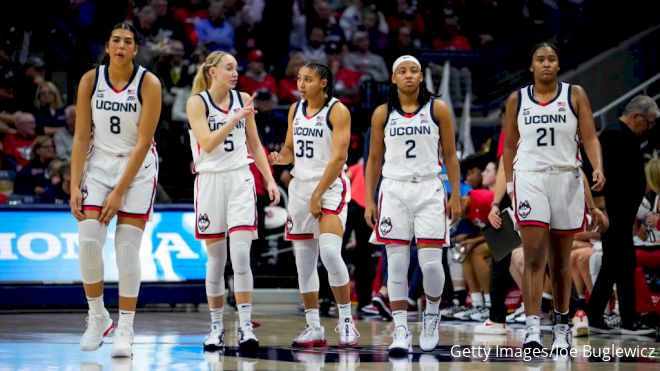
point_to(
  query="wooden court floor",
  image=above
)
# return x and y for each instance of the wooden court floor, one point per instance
(172, 340)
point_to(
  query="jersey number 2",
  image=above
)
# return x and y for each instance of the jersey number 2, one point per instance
(114, 125)
(409, 153)
(543, 132)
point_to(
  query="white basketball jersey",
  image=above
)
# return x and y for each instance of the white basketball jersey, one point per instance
(412, 144)
(116, 113)
(233, 153)
(312, 141)
(548, 132)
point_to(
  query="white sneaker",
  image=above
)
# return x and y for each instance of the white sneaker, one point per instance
(401, 341)
(122, 342)
(348, 334)
(580, 324)
(247, 340)
(310, 337)
(533, 338)
(561, 338)
(511, 317)
(521, 318)
(490, 328)
(481, 315)
(449, 312)
(466, 314)
(98, 326)
(215, 340)
(428, 339)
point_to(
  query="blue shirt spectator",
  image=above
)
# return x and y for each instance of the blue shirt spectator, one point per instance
(215, 33)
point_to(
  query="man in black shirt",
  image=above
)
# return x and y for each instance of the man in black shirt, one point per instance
(623, 163)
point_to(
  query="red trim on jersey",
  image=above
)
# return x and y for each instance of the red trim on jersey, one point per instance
(432, 241)
(533, 223)
(343, 200)
(134, 216)
(409, 115)
(543, 104)
(299, 237)
(243, 228)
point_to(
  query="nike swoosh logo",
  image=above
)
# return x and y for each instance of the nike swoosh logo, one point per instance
(101, 91)
(146, 167)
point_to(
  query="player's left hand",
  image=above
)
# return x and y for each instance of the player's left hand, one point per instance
(600, 220)
(315, 206)
(454, 209)
(598, 179)
(110, 207)
(273, 193)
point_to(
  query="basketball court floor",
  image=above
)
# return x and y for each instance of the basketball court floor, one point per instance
(172, 340)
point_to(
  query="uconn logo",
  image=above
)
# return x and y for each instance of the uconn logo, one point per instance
(545, 119)
(116, 106)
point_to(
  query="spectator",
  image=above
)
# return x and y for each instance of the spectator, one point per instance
(449, 37)
(33, 76)
(370, 23)
(351, 19)
(315, 50)
(16, 147)
(256, 76)
(402, 45)
(363, 60)
(215, 33)
(406, 15)
(33, 179)
(64, 136)
(322, 16)
(287, 87)
(246, 34)
(188, 14)
(167, 27)
(347, 81)
(59, 191)
(271, 123)
(49, 109)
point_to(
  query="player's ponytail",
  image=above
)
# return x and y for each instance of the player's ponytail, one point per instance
(202, 80)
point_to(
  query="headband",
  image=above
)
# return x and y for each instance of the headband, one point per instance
(405, 58)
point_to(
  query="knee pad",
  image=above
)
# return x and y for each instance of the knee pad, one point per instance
(127, 249)
(430, 260)
(91, 238)
(215, 268)
(239, 249)
(307, 257)
(398, 260)
(330, 248)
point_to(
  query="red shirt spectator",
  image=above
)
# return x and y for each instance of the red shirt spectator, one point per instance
(356, 175)
(17, 146)
(480, 202)
(256, 76)
(287, 88)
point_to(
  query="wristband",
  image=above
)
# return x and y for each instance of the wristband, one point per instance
(495, 204)
(509, 187)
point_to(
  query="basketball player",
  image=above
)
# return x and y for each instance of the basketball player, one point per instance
(412, 129)
(224, 141)
(544, 124)
(317, 142)
(118, 106)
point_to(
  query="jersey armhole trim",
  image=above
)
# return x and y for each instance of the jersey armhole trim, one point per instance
(387, 118)
(238, 95)
(435, 119)
(295, 110)
(570, 102)
(519, 102)
(327, 117)
(206, 105)
(139, 87)
(96, 80)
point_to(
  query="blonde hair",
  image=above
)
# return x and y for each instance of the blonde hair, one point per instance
(56, 92)
(202, 80)
(652, 170)
(39, 142)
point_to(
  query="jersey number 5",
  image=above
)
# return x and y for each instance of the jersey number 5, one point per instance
(543, 132)
(114, 125)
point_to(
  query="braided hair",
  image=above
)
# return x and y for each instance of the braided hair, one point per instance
(324, 72)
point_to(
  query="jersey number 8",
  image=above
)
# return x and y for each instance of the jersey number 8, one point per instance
(114, 125)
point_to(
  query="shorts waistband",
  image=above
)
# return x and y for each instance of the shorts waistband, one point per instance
(550, 169)
(416, 179)
(112, 154)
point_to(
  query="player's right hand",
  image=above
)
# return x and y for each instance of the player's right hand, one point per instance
(76, 204)
(371, 214)
(274, 158)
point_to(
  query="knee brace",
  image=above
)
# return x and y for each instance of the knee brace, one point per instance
(330, 248)
(127, 249)
(398, 260)
(239, 249)
(307, 257)
(430, 260)
(91, 238)
(215, 268)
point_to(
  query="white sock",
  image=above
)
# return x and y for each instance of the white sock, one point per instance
(477, 299)
(432, 307)
(313, 319)
(487, 300)
(545, 295)
(96, 305)
(244, 313)
(216, 315)
(344, 311)
(126, 318)
(400, 318)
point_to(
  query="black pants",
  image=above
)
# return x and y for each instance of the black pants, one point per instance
(361, 256)
(619, 262)
(500, 283)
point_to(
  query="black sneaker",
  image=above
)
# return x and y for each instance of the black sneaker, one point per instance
(600, 327)
(637, 328)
